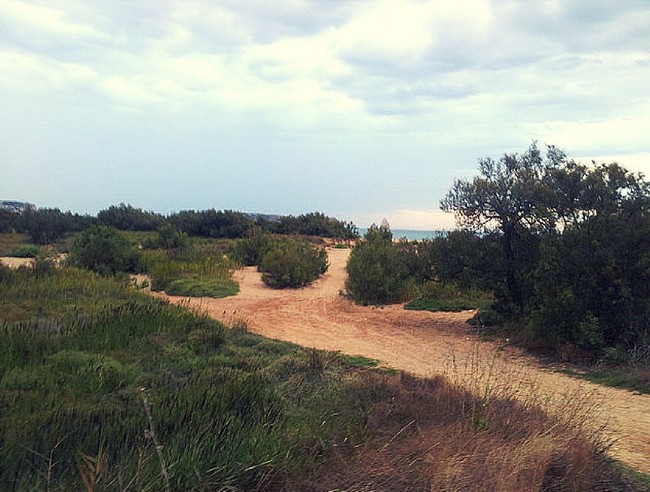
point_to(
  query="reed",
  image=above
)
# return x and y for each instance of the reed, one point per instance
(191, 274)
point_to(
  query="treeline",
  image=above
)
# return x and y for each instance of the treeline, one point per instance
(563, 247)
(49, 224)
(44, 225)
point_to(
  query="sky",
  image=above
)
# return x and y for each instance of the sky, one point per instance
(361, 109)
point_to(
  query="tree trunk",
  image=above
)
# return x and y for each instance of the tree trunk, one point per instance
(514, 289)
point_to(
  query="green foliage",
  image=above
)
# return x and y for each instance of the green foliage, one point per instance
(443, 296)
(8, 221)
(197, 286)
(313, 224)
(191, 272)
(378, 272)
(27, 251)
(292, 263)
(129, 218)
(46, 225)
(617, 376)
(104, 250)
(167, 237)
(211, 223)
(9, 243)
(224, 403)
(92, 373)
(563, 245)
(253, 247)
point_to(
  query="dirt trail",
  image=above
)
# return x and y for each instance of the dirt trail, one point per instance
(12, 262)
(422, 343)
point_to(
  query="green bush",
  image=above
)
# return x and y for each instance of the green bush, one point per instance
(448, 296)
(167, 237)
(104, 250)
(184, 273)
(195, 286)
(292, 263)
(27, 251)
(377, 270)
(253, 247)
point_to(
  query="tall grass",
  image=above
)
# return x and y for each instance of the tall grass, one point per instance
(191, 274)
(71, 377)
(104, 388)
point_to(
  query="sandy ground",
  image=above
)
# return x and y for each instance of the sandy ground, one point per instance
(425, 344)
(15, 262)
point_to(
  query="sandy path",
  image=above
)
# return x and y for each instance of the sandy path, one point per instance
(422, 343)
(12, 262)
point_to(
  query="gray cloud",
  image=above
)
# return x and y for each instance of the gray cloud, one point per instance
(350, 86)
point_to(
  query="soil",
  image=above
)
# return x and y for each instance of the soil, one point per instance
(15, 262)
(427, 344)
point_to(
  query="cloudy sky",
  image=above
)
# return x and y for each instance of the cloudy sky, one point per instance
(361, 109)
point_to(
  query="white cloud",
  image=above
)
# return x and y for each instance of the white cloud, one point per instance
(379, 86)
(46, 24)
(601, 135)
(36, 73)
(417, 220)
(638, 162)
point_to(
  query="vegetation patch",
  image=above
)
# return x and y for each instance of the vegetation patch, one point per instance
(26, 251)
(103, 385)
(10, 243)
(196, 272)
(635, 378)
(103, 249)
(378, 272)
(292, 263)
(359, 361)
(441, 296)
(196, 286)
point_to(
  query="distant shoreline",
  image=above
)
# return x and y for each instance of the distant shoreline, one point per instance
(409, 234)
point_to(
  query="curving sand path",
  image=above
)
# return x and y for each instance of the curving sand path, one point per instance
(426, 344)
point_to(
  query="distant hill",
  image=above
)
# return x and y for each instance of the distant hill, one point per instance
(16, 206)
(268, 217)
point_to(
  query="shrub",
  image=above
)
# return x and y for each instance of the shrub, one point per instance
(185, 273)
(377, 270)
(292, 263)
(128, 218)
(167, 237)
(104, 250)
(253, 247)
(27, 251)
(448, 296)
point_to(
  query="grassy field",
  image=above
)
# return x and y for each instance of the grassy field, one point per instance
(105, 388)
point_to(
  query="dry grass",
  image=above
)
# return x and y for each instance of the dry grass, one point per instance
(431, 435)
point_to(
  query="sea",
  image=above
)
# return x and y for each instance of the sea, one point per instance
(409, 235)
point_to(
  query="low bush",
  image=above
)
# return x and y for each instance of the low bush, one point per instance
(167, 237)
(446, 296)
(185, 273)
(104, 250)
(292, 263)
(377, 270)
(27, 251)
(253, 247)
